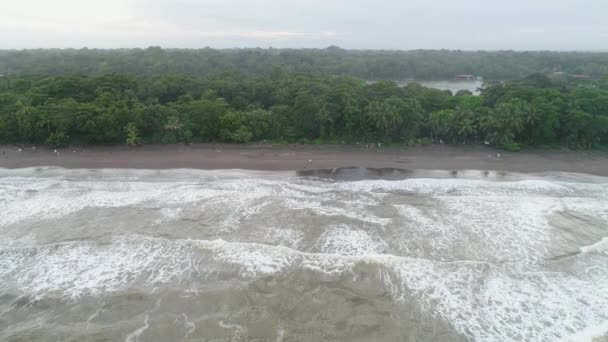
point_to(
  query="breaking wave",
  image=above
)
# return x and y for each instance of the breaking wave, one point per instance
(225, 254)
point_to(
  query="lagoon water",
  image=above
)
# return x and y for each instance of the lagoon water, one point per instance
(333, 255)
(452, 85)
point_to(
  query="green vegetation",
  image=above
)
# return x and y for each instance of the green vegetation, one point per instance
(370, 65)
(132, 132)
(232, 107)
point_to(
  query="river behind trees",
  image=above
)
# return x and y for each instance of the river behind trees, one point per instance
(454, 86)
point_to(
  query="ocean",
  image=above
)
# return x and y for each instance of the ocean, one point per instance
(328, 255)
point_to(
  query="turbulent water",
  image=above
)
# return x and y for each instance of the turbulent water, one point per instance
(334, 255)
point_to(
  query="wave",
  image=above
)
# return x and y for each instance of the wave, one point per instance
(477, 253)
(442, 219)
(481, 300)
(352, 173)
(355, 173)
(589, 334)
(600, 246)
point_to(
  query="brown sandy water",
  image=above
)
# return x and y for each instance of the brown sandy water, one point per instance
(345, 254)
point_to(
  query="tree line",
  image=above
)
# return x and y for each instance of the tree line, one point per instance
(298, 108)
(366, 64)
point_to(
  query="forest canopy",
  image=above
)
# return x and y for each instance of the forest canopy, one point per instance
(291, 107)
(365, 64)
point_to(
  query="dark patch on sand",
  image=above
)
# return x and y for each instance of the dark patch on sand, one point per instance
(357, 173)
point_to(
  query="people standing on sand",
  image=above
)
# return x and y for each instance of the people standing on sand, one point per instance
(309, 164)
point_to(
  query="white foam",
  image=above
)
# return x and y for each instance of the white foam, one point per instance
(168, 215)
(458, 187)
(343, 240)
(504, 228)
(134, 336)
(480, 299)
(589, 334)
(53, 200)
(188, 325)
(75, 269)
(280, 334)
(288, 237)
(475, 251)
(490, 303)
(599, 247)
(352, 210)
(253, 259)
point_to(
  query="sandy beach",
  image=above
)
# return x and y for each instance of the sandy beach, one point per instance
(303, 157)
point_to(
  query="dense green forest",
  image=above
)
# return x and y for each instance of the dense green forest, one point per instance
(366, 64)
(288, 107)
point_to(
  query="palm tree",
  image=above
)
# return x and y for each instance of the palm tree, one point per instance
(384, 117)
(441, 122)
(534, 114)
(466, 127)
(133, 138)
(24, 107)
(509, 119)
(45, 121)
(24, 118)
(326, 123)
(173, 124)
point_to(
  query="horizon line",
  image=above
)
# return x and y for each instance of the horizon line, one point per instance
(302, 48)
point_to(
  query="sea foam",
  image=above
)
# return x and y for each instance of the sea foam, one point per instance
(479, 254)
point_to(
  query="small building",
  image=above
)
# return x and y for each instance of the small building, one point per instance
(557, 75)
(465, 77)
(579, 76)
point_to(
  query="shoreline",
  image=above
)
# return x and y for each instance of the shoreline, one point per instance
(261, 157)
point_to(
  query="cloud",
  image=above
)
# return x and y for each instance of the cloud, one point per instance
(532, 30)
(392, 24)
(263, 34)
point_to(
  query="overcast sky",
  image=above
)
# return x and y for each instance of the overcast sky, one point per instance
(358, 24)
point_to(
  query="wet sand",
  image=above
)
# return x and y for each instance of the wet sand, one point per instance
(306, 157)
